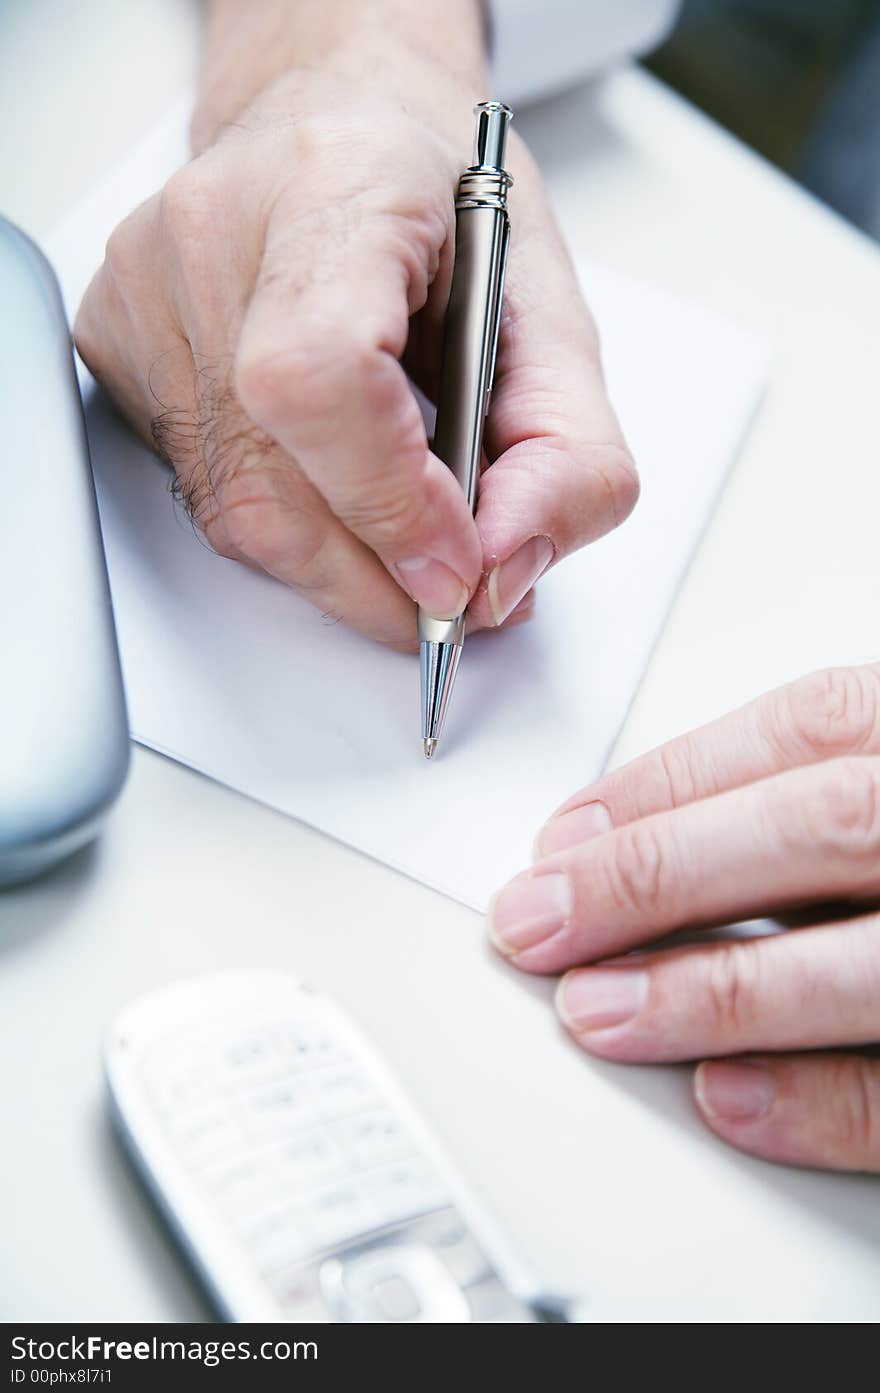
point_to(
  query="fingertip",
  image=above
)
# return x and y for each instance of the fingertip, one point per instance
(524, 610)
(528, 919)
(480, 618)
(433, 585)
(559, 1005)
(731, 1093)
(811, 1109)
(511, 580)
(566, 830)
(420, 525)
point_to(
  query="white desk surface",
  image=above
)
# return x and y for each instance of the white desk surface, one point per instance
(647, 1215)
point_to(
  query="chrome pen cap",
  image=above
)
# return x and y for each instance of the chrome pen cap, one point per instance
(490, 138)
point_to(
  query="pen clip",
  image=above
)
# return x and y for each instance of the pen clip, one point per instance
(499, 297)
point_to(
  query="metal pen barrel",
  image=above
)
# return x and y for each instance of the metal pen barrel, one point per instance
(469, 347)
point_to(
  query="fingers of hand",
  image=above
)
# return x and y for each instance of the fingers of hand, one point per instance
(239, 485)
(817, 988)
(320, 307)
(813, 989)
(317, 366)
(354, 429)
(811, 1110)
(319, 314)
(805, 835)
(269, 515)
(125, 324)
(561, 474)
(820, 716)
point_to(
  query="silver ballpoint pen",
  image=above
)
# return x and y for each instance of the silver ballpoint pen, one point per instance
(470, 342)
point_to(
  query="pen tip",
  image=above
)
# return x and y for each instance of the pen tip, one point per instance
(430, 747)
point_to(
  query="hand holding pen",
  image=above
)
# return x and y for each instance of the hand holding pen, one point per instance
(265, 352)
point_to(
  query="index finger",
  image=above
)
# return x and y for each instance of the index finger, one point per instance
(804, 836)
(821, 716)
(317, 367)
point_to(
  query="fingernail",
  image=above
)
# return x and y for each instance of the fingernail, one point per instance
(600, 997)
(519, 616)
(733, 1092)
(529, 909)
(432, 585)
(525, 606)
(510, 581)
(580, 825)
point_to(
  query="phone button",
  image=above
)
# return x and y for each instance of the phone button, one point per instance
(392, 1282)
(396, 1299)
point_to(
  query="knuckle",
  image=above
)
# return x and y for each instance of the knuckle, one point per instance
(856, 1090)
(239, 524)
(843, 815)
(306, 381)
(121, 251)
(261, 380)
(250, 521)
(676, 773)
(639, 878)
(833, 711)
(219, 539)
(625, 485)
(730, 987)
(184, 206)
(612, 469)
(386, 516)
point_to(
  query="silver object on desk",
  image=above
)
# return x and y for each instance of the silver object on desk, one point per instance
(63, 727)
(482, 237)
(298, 1178)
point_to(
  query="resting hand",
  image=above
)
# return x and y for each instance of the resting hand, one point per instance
(255, 318)
(772, 808)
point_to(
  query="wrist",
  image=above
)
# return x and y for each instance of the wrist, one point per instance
(398, 43)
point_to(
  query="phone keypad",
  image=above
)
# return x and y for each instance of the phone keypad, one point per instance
(316, 1177)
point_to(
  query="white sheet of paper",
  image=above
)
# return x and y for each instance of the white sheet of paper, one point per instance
(231, 673)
